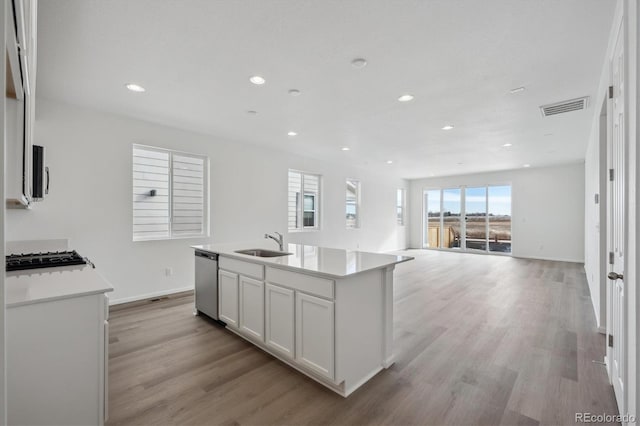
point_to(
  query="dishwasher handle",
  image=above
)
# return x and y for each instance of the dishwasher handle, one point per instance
(211, 256)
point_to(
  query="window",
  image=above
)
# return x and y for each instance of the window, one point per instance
(400, 205)
(303, 200)
(353, 204)
(170, 194)
(469, 218)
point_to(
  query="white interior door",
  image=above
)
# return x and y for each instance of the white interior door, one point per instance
(616, 327)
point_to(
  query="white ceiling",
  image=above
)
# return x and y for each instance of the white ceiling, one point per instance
(458, 58)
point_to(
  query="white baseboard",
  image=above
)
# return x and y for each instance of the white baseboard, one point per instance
(149, 295)
(554, 259)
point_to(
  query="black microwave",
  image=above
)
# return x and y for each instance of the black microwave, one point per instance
(40, 174)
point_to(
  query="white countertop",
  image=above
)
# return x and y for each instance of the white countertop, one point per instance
(47, 284)
(334, 263)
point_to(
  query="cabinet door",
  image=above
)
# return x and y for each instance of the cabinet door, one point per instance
(228, 297)
(252, 307)
(315, 334)
(280, 304)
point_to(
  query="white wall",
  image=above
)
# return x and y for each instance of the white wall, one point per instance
(547, 209)
(89, 154)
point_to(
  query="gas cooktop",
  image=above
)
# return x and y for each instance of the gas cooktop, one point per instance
(23, 261)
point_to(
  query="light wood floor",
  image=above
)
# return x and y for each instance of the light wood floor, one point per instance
(481, 340)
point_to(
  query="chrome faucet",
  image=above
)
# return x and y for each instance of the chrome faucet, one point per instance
(277, 239)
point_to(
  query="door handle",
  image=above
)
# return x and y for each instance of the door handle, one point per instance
(46, 191)
(615, 276)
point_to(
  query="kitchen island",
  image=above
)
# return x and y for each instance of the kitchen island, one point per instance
(326, 312)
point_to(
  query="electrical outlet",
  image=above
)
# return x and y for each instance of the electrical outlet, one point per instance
(168, 272)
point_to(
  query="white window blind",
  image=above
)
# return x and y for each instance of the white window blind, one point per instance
(303, 200)
(169, 194)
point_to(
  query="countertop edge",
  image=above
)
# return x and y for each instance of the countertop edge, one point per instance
(257, 259)
(58, 297)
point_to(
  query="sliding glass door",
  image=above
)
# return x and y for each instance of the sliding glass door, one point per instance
(474, 218)
(475, 201)
(432, 209)
(451, 213)
(500, 218)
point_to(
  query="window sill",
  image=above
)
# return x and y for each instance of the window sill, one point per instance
(186, 237)
(298, 231)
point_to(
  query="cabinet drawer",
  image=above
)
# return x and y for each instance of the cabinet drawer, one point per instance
(313, 285)
(243, 268)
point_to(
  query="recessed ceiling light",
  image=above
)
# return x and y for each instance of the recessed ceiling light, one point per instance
(135, 87)
(507, 145)
(405, 98)
(294, 92)
(359, 63)
(292, 134)
(517, 90)
(256, 79)
(447, 127)
(526, 165)
(389, 162)
(345, 148)
(252, 112)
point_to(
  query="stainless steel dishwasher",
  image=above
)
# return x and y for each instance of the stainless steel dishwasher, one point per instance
(207, 284)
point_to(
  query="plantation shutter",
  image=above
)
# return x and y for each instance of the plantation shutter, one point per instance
(311, 184)
(188, 195)
(169, 194)
(150, 212)
(295, 187)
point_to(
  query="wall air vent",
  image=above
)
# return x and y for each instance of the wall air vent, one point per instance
(565, 106)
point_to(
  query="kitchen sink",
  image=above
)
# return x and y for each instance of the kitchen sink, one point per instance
(262, 253)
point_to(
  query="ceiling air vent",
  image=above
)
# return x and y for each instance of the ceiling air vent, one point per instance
(565, 106)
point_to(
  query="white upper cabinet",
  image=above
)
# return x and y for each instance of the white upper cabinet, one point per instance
(21, 53)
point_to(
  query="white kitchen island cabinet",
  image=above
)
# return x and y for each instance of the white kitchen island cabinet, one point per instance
(279, 319)
(315, 334)
(228, 296)
(252, 307)
(326, 312)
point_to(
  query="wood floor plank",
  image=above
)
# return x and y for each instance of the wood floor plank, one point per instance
(483, 340)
